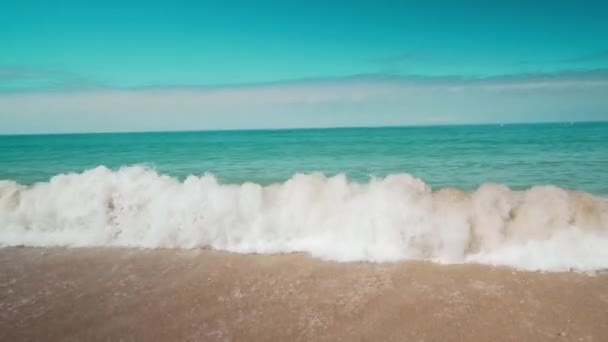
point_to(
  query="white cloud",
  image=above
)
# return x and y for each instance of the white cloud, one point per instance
(357, 101)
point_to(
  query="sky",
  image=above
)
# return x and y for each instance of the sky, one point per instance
(91, 66)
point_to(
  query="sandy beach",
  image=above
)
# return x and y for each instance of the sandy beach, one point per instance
(114, 294)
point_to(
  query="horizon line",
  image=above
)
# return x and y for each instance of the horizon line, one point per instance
(219, 130)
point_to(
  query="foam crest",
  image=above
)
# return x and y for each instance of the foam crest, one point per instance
(395, 218)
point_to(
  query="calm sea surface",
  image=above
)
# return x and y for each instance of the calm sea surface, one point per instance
(568, 155)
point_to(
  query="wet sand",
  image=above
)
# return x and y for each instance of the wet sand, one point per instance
(171, 295)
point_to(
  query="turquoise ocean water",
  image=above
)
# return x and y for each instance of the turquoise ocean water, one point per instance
(573, 156)
(91, 190)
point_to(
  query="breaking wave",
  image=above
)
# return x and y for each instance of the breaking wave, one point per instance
(394, 218)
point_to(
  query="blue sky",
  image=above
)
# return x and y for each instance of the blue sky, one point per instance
(330, 61)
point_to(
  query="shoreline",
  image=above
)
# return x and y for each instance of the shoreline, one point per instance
(91, 294)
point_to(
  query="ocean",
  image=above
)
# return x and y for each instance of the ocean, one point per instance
(530, 196)
(573, 156)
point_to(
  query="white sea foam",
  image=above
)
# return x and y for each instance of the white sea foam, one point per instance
(389, 219)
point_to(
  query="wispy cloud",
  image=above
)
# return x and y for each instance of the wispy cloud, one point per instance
(395, 64)
(25, 78)
(601, 55)
(550, 79)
